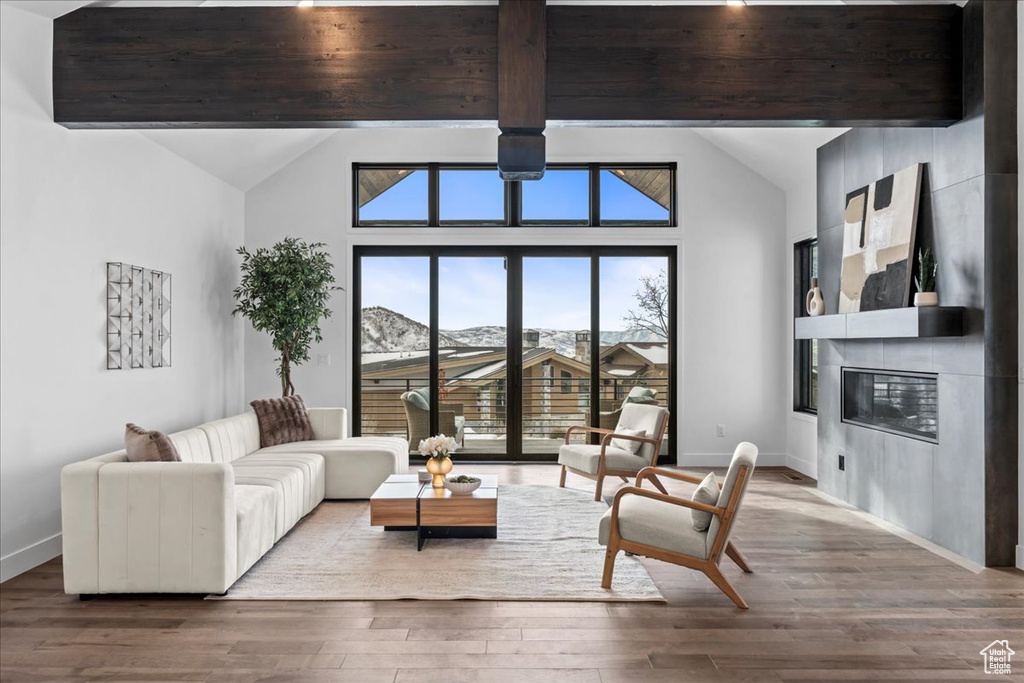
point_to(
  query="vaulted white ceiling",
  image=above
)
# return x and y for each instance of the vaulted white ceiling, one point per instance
(244, 158)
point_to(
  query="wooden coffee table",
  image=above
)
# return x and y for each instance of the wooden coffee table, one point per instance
(402, 503)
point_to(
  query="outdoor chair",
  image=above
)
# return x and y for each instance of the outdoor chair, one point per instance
(451, 421)
(638, 394)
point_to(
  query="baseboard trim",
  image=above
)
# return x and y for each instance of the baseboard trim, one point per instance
(1020, 557)
(723, 459)
(20, 561)
(804, 467)
(904, 534)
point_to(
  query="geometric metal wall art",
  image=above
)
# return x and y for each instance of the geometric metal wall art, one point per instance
(138, 317)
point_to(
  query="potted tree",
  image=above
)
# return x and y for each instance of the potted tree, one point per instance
(284, 292)
(927, 269)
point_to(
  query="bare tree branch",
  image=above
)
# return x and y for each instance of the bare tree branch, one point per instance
(651, 313)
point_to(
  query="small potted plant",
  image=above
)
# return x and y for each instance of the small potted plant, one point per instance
(438, 450)
(927, 270)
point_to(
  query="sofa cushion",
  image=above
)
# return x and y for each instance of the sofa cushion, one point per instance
(286, 481)
(192, 445)
(585, 458)
(310, 464)
(652, 522)
(282, 420)
(233, 437)
(148, 446)
(256, 522)
(353, 467)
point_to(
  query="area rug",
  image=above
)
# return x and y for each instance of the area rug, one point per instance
(546, 550)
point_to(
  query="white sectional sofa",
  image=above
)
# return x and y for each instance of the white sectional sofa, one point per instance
(197, 525)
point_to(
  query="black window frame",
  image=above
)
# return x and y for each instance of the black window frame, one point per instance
(514, 197)
(513, 394)
(803, 349)
(431, 204)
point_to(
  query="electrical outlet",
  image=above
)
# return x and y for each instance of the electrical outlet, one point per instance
(323, 359)
(720, 430)
(842, 463)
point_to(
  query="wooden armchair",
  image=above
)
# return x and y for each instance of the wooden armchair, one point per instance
(597, 461)
(658, 525)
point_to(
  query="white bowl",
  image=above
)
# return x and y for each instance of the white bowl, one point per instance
(461, 489)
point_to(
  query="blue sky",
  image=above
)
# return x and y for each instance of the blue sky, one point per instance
(556, 291)
(479, 195)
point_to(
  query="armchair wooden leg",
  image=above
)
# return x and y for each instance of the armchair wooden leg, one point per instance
(715, 574)
(736, 556)
(599, 487)
(657, 484)
(561, 480)
(609, 565)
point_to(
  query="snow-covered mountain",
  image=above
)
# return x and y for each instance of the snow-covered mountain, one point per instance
(563, 341)
(385, 330)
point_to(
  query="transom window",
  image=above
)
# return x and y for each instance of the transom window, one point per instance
(441, 195)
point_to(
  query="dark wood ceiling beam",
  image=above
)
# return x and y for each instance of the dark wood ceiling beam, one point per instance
(522, 78)
(606, 65)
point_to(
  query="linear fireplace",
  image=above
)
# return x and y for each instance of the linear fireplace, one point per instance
(904, 403)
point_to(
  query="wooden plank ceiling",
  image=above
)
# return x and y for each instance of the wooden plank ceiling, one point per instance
(605, 65)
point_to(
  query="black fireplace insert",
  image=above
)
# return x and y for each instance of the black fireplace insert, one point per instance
(903, 403)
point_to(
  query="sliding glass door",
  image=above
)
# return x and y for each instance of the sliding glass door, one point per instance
(472, 353)
(556, 350)
(506, 347)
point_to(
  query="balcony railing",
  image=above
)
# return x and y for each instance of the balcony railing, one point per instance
(550, 407)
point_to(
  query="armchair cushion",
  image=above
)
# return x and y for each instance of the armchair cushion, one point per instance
(745, 455)
(641, 395)
(656, 523)
(418, 398)
(707, 493)
(643, 417)
(628, 444)
(585, 458)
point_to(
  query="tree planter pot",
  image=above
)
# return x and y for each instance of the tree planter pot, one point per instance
(924, 299)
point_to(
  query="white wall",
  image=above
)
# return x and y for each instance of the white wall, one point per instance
(73, 200)
(801, 224)
(731, 266)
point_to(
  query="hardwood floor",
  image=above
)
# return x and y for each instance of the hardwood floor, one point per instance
(832, 598)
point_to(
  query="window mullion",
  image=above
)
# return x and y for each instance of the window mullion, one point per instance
(434, 195)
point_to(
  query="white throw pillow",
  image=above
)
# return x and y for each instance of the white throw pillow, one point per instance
(707, 492)
(628, 444)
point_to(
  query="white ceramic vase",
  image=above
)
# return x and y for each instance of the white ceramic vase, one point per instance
(814, 304)
(924, 299)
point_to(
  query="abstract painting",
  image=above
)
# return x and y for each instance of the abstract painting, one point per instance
(138, 317)
(879, 229)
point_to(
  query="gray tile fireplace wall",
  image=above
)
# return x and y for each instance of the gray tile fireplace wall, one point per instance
(960, 493)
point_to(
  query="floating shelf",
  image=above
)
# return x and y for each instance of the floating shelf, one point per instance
(894, 323)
